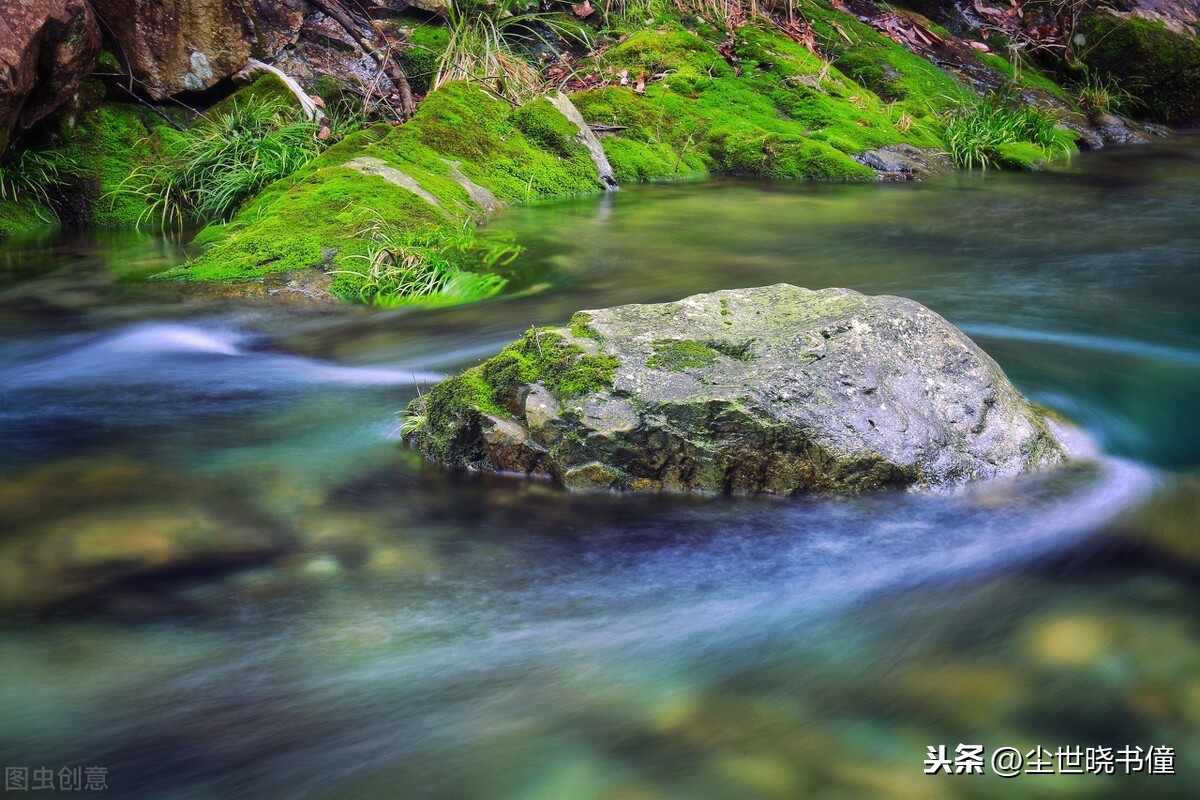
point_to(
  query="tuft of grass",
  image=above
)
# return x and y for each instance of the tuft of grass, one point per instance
(496, 44)
(212, 168)
(429, 267)
(33, 175)
(978, 129)
(1101, 93)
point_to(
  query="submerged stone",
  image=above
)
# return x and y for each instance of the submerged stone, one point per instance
(776, 390)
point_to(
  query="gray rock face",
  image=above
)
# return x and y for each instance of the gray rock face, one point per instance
(772, 390)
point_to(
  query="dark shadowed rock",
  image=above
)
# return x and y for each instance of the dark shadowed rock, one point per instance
(46, 48)
(777, 389)
(903, 162)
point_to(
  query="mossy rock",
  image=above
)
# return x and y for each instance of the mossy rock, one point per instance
(266, 89)
(23, 216)
(1158, 66)
(787, 114)
(318, 217)
(776, 390)
(105, 144)
(420, 58)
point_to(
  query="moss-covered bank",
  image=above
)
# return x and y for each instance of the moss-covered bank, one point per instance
(104, 145)
(675, 97)
(463, 155)
(762, 105)
(1159, 66)
(23, 215)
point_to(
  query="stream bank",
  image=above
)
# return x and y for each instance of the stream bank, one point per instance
(835, 92)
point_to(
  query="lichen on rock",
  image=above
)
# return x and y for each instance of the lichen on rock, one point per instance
(776, 390)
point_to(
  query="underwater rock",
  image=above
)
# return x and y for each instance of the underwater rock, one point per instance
(775, 390)
(82, 526)
(84, 553)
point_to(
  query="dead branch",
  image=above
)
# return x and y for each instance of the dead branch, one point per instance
(381, 56)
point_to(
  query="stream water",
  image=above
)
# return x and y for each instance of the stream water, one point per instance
(441, 635)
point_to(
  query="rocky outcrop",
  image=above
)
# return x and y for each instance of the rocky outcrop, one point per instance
(773, 390)
(46, 48)
(172, 46)
(1158, 62)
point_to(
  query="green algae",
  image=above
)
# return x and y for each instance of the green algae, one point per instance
(679, 355)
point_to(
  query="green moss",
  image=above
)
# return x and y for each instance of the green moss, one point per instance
(886, 68)
(266, 89)
(316, 217)
(679, 355)
(581, 327)
(546, 127)
(317, 221)
(1021, 155)
(106, 144)
(542, 355)
(420, 58)
(1158, 66)
(23, 216)
(784, 113)
(788, 115)
(445, 408)
(690, 63)
(109, 62)
(1026, 76)
(463, 122)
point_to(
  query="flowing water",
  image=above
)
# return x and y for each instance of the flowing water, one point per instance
(420, 633)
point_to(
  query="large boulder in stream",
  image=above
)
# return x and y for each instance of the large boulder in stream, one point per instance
(773, 390)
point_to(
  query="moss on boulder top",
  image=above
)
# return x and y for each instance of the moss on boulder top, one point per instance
(772, 390)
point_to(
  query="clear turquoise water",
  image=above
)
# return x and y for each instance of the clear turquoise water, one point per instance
(453, 636)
